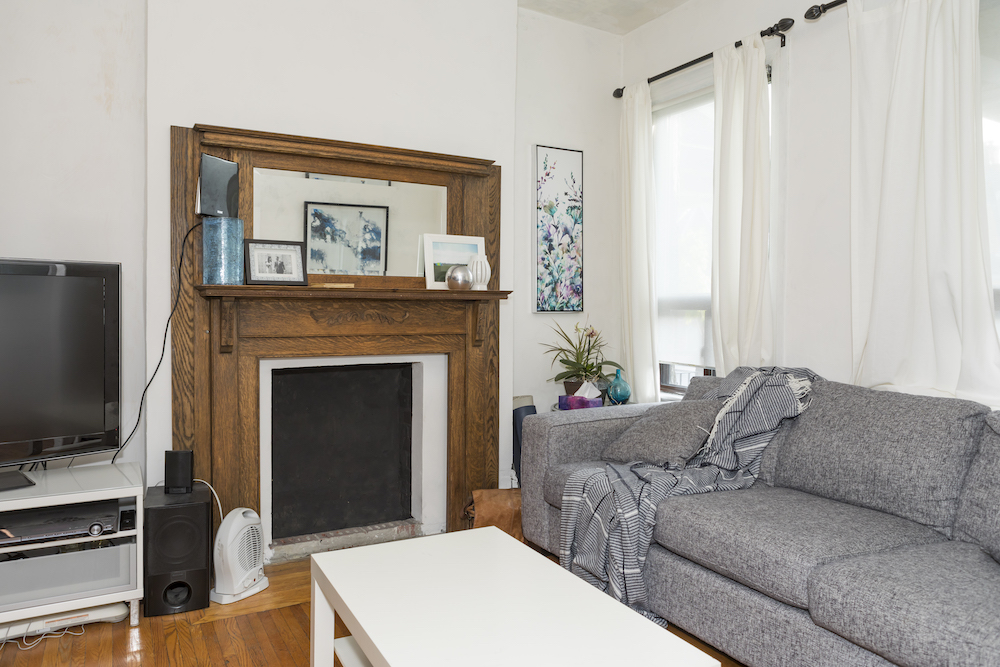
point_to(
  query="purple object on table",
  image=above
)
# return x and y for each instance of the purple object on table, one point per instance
(577, 402)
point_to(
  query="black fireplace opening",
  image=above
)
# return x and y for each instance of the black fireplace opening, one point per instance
(341, 441)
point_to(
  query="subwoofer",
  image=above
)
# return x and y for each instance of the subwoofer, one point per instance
(177, 550)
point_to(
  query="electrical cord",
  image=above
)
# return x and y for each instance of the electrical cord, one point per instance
(163, 350)
(35, 642)
(221, 515)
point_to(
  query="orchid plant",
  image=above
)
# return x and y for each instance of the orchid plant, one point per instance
(581, 355)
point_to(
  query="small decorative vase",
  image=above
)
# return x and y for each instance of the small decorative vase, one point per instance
(481, 272)
(459, 277)
(619, 392)
(222, 251)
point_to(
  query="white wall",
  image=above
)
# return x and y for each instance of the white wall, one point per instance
(565, 76)
(817, 326)
(72, 153)
(437, 75)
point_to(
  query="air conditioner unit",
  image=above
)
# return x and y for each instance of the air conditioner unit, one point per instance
(239, 557)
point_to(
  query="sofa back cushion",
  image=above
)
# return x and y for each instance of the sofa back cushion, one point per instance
(700, 385)
(978, 518)
(898, 453)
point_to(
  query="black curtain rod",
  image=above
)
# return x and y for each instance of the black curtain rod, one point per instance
(778, 29)
(817, 11)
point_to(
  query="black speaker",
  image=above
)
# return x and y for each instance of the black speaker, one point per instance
(219, 194)
(177, 550)
(177, 466)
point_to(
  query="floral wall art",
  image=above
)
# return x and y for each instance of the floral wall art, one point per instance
(559, 228)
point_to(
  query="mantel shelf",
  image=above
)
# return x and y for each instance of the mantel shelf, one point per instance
(312, 292)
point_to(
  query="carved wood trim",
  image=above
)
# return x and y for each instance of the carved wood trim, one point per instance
(269, 142)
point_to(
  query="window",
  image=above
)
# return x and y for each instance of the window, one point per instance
(683, 155)
(989, 45)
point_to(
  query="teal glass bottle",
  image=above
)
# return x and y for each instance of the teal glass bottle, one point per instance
(619, 392)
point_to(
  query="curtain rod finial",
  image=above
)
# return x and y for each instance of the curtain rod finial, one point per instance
(618, 92)
(814, 13)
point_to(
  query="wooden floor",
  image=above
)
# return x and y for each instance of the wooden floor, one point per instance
(270, 629)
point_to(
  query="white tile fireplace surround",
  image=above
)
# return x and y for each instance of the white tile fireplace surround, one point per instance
(429, 451)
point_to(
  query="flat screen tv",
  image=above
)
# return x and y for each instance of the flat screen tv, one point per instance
(60, 359)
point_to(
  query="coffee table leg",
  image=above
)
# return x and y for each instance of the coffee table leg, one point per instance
(321, 630)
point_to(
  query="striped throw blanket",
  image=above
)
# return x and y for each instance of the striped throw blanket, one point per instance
(608, 513)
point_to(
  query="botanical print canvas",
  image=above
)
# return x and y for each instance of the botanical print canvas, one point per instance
(346, 238)
(559, 227)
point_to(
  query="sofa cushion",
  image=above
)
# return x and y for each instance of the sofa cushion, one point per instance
(934, 604)
(668, 434)
(898, 453)
(701, 385)
(978, 518)
(556, 476)
(770, 538)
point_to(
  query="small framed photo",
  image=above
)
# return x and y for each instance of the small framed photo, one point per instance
(442, 251)
(274, 262)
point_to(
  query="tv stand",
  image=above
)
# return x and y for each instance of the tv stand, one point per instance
(63, 575)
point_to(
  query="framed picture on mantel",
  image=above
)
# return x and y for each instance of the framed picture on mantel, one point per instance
(274, 262)
(346, 239)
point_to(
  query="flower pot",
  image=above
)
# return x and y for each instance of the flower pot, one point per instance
(572, 386)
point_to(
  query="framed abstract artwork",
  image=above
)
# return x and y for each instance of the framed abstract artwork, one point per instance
(558, 229)
(347, 239)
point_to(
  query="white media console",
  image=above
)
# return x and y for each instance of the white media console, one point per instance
(62, 575)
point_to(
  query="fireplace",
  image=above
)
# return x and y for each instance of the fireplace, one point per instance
(220, 334)
(301, 512)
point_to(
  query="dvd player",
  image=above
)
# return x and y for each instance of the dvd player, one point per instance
(46, 524)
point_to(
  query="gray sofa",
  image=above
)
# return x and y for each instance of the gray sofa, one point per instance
(869, 538)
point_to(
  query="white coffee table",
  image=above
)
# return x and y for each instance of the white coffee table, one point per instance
(476, 597)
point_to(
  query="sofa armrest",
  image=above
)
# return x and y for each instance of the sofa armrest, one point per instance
(569, 436)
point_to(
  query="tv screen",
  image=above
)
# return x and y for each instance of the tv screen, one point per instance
(59, 359)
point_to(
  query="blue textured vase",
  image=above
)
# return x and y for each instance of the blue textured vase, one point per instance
(619, 392)
(222, 251)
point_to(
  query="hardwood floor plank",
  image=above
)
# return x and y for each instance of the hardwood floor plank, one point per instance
(296, 640)
(288, 585)
(235, 646)
(271, 639)
(260, 655)
(157, 656)
(301, 615)
(282, 642)
(99, 644)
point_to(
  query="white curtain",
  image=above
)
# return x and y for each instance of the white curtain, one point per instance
(741, 290)
(638, 250)
(920, 274)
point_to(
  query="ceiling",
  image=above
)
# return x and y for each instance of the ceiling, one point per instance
(614, 16)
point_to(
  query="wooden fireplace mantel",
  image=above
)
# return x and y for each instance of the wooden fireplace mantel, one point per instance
(220, 333)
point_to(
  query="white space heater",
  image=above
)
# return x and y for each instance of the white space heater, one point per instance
(239, 557)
